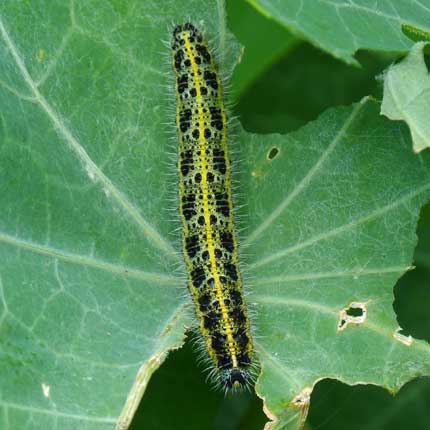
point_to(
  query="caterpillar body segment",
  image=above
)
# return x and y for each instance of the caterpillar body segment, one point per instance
(206, 209)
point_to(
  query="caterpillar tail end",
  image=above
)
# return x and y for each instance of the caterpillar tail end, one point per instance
(235, 379)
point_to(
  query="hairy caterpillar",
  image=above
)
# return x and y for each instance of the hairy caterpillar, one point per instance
(205, 206)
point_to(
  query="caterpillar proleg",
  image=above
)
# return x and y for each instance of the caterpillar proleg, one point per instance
(206, 209)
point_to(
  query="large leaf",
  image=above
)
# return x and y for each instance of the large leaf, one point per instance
(89, 265)
(331, 231)
(342, 27)
(91, 290)
(407, 95)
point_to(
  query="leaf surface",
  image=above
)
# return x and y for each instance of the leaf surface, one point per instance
(407, 95)
(341, 27)
(91, 275)
(261, 49)
(332, 230)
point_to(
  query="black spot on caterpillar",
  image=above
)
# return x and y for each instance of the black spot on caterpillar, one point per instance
(205, 205)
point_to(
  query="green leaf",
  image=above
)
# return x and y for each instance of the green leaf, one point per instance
(304, 84)
(261, 49)
(412, 292)
(337, 407)
(90, 286)
(422, 252)
(415, 34)
(342, 27)
(407, 95)
(331, 231)
(238, 411)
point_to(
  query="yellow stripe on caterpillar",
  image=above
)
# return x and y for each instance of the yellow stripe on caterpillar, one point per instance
(206, 209)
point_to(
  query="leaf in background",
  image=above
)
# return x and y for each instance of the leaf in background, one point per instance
(342, 27)
(412, 292)
(90, 289)
(181, 380)
(305, 83)
(407, 95)
(422, 252)
(336, 406)
(261, 48)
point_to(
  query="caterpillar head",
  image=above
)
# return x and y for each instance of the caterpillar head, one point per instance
(186, 29)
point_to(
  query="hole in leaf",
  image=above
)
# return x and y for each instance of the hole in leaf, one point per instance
(272, 153)
(406, 340)
(354, 312)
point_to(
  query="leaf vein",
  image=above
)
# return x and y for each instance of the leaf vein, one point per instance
(308, 177)
(353, 273)
(87, 261)
(109, 420)
(282, 301)
(77, 148)
(322, 236)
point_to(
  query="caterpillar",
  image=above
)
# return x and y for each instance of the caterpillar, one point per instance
(206, 210)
